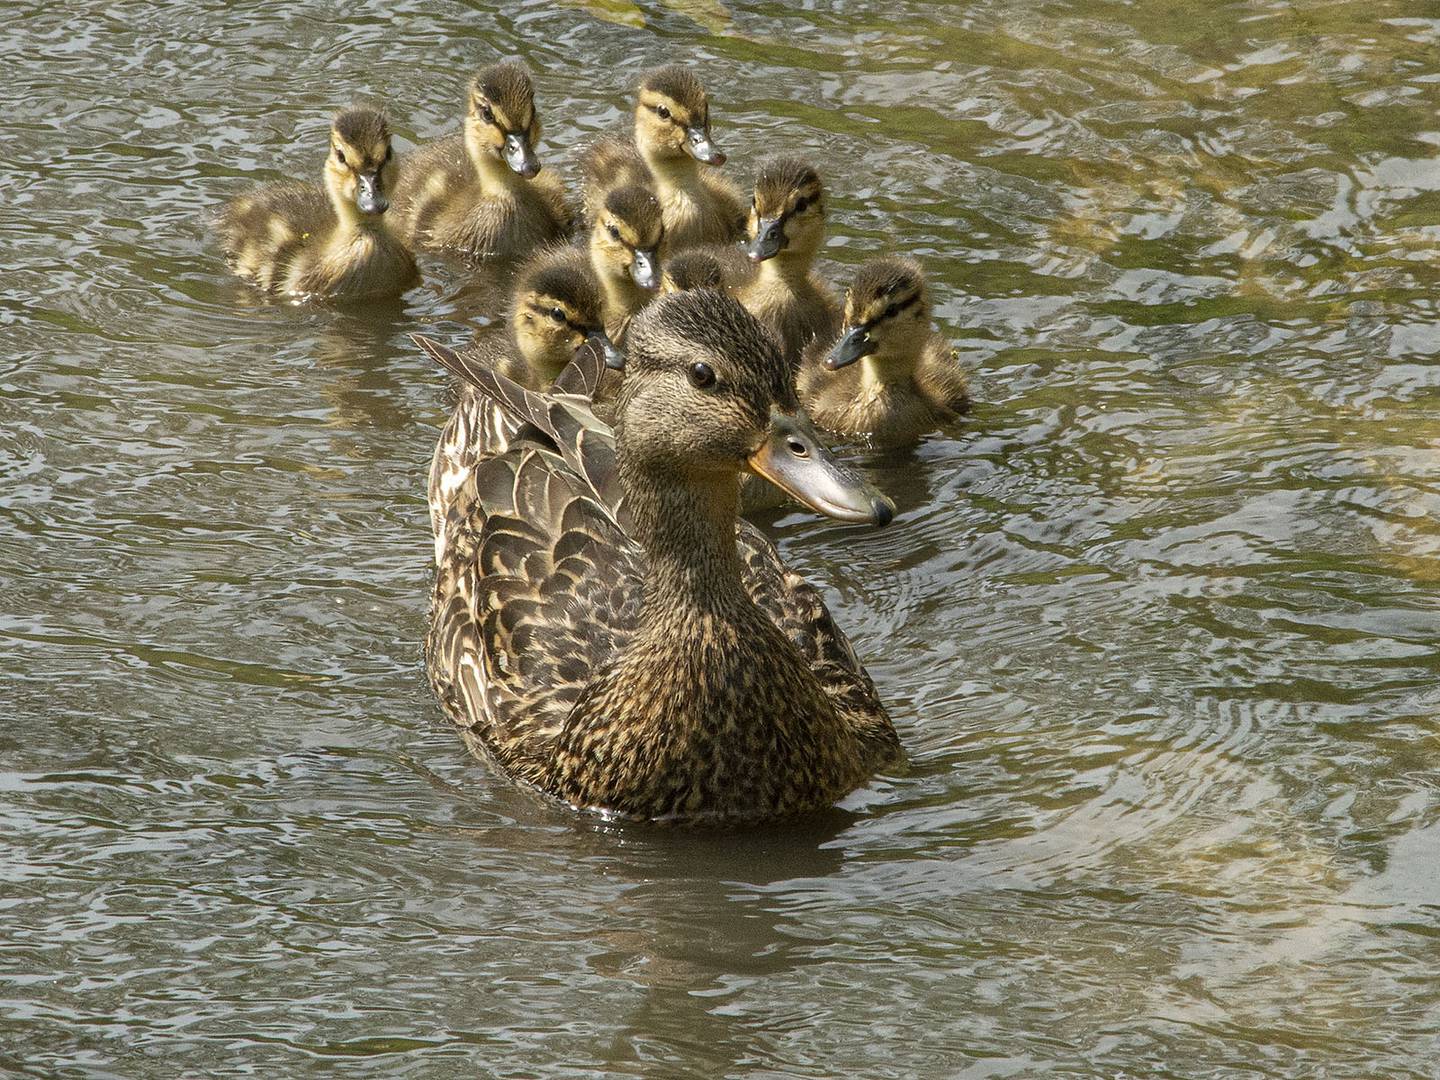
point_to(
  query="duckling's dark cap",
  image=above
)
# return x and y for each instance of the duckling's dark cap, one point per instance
(695, 270)
(507, 83)
(634, 204)
(888, 276)
(360, 126)
(564, 274)
(675, 82)
(779, 175)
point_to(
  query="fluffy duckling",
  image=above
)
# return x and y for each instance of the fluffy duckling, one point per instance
(602, 627)
(331, 241)
(557, 308)
(481, 193)
(626, 235)
(785, 229)
(672, 135)
(908, 381)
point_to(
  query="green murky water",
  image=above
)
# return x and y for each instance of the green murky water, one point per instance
(1158, 625)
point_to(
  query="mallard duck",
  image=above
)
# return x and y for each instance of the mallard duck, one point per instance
(785, 229)
(672, 134)
(626, 234)
(555, 310)
(330, 241)
(480, 194)
(908, 381)
(602, 627)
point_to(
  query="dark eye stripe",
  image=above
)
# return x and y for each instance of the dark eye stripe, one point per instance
(888, 314)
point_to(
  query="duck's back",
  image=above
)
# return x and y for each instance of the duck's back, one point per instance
(264, 233)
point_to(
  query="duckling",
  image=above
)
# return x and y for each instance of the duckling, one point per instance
(909, 380)
(604, 629)
(557, 307)
(332, 241)
(691, 270)
(672, 134)
(625, 240)
(481, 193)
(785, 229)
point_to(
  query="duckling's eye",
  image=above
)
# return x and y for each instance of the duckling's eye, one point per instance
(613, 231)
(340, 156)
(389, 153)
(892, 311)
(662, 112)
(702, 376)
(557, 314)
(801, 205)
(488, 113)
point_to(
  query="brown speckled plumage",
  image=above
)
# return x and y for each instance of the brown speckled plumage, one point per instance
(531, 349)
(912, 385)
(601, 627)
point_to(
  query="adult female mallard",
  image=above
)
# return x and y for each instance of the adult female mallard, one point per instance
(556, 309)
(480, 194)
(785, 229)
(332, 241)
(604, 630)
(672, 136)
(908, 381)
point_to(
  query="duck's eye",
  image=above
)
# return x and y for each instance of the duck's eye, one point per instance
(892, 311)
(389, 153)
(662, 112)
(557, 314)
(802, 204)
(340, 156)
(488, 113)
(613, 231)
(702, 376)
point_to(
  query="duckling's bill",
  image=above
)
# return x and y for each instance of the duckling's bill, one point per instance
(793, 458)
(699, 146)
(855, 345)
(520, 156)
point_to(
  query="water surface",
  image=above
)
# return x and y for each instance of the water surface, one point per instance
(1157, 623)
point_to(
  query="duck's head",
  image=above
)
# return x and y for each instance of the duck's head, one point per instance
(887, 313)
(707, 395)
(360, 170)
(672, 117)
(691, 270)
(557, 308)
(626, 237)
(787, 212)
(500, 118)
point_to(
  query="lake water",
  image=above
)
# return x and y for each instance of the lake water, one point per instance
(1157, 624)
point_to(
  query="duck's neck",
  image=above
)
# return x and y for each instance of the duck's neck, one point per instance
(349, 221)
(623, 298)
(494, 175)
(885, 370)
(688, 532)
(673, 173)
(787, 271)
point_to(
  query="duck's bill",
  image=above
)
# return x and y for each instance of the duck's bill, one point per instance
(369, 199)
(769, 239)
(520, 157)
(645, 270)
(699, 146)
(793, 458)
(853, 346)
(614, 358)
